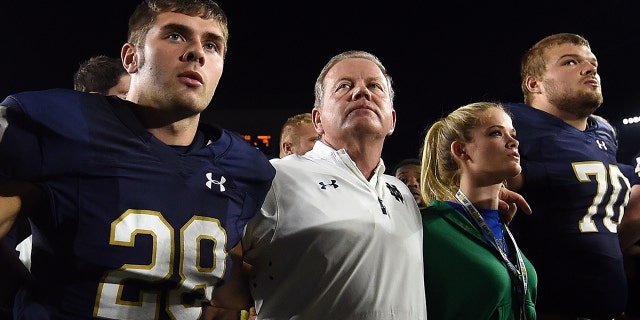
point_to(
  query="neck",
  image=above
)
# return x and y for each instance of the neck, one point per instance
(486, 197)
(576, 121)
(166, 126)
(366, 155)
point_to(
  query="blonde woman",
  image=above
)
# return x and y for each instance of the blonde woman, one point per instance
(473, 267)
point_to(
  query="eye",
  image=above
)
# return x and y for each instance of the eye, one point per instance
(174, 36)
(210, 46)
(344, 85)
(571, 62)
(376, 85)
(495, 133)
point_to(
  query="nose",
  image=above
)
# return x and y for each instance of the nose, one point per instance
(361, 90)
(194, 54)
(589, 69)
(512, 143)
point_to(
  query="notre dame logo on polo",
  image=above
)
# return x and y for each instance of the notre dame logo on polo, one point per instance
(395, 192)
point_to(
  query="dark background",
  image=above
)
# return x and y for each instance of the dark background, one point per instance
(440, 54)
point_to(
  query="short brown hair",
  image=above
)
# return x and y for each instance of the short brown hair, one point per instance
(146, 13)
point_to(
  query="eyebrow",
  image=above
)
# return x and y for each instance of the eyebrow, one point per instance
(182, 29)
(499, 126)
(578, 57)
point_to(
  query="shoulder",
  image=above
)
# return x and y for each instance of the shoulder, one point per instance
(236, 154)
(437, 207)
(517, 108)
(51, 96)
(53, 101)
(65, 111)
(293, 165)
(523, 115)
(603, 126)
(392, 180)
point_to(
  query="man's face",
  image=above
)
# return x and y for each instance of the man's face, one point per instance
(305, 137)
(409, 174)
(180, 65)
(571, 82)
(356, 102)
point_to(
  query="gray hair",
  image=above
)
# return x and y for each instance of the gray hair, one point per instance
(319, 87)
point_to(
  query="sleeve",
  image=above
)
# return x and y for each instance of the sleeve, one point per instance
(19, 142)
(261, 228)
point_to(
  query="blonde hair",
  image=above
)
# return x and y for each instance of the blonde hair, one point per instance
(286, 133)
(440, 174)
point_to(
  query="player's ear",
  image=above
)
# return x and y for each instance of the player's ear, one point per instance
(532, 84)
(129, 57)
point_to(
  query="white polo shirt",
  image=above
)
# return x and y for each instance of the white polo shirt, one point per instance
(324, 247)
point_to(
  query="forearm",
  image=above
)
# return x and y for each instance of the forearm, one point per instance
(235, 293)
(9, 209)
(18, 198)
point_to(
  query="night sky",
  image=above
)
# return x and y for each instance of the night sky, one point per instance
(439, 58)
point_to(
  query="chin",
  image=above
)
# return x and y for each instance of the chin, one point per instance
(512, 172)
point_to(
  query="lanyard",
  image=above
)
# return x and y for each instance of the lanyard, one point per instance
(518, 274)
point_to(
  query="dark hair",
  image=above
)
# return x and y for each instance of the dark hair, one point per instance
(408, 161)
(98, 74)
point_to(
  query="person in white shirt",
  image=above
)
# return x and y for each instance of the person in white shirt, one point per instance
(337, 238)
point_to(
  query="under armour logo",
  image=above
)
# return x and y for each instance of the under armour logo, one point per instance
(395, 192)
(211, 181)
(324, 186)
(601, 144)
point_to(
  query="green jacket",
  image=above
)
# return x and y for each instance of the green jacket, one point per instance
(465, 277)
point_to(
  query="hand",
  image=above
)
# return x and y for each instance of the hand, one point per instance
(253, 315)
(509, 203)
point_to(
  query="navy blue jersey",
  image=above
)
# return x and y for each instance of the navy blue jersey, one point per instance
(633, 305)
(577, 192)
(137, 229)
(631, 171)
(635, 164)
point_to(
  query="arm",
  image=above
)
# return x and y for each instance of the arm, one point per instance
(15, 199)
(9, 209)
(234, 294)
(629, 231)
(18, 198)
